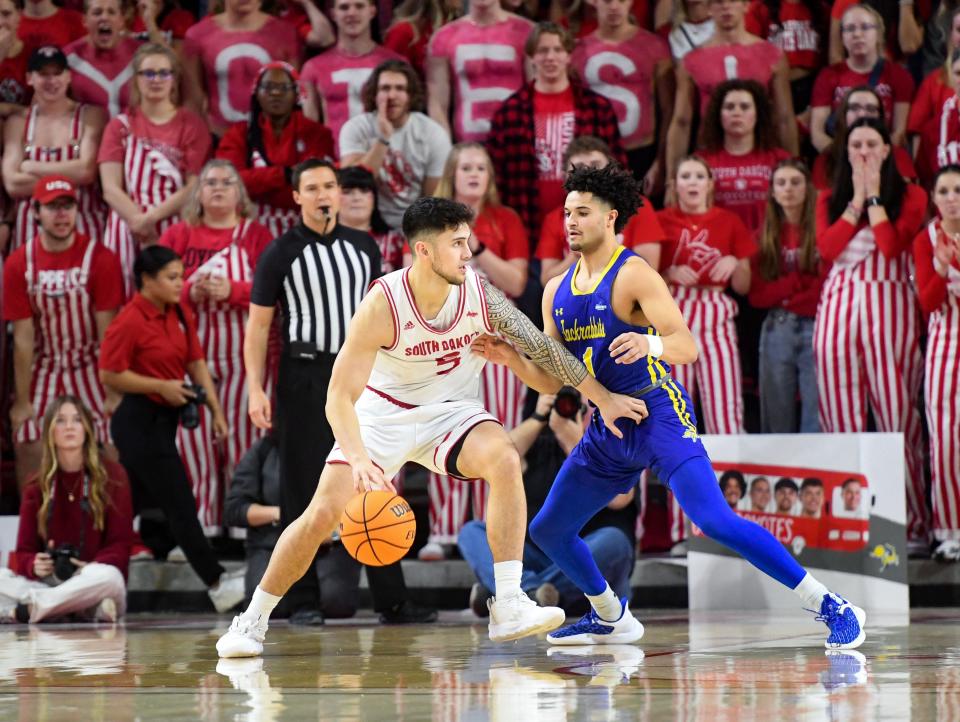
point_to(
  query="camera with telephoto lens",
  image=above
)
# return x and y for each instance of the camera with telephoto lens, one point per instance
(63, 568)
(567, 402)
(190, 411)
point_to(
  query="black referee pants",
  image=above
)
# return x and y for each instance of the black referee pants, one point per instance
(145, 433)
(304, 439)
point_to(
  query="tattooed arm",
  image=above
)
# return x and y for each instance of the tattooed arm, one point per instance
(549, 355)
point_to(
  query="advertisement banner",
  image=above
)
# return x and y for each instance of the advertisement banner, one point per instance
(835, 501)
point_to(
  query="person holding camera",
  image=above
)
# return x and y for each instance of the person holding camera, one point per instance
(147, 351)
(545, 439)
(220, 244)
(76, 525)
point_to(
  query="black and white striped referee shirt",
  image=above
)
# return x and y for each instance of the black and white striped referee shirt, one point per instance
(319, 282)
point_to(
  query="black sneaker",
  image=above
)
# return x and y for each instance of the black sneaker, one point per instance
(307, 617)
(479, 595)
(408, 613)
(22, 613)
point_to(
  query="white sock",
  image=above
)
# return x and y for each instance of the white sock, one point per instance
(506, 578)
(606, 605)
(262, 604)
(810, 592)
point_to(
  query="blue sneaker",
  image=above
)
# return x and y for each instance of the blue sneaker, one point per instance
(847, 669)
(845, 622)
(593, 630)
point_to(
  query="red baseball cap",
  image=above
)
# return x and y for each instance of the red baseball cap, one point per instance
(51, 187)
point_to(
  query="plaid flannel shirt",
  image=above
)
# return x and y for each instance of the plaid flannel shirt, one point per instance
(512, 145)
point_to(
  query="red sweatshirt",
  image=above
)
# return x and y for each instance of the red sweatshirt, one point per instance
(110, 546)
(892, 239)
(266, 178)
(793, 290)
(931, 287)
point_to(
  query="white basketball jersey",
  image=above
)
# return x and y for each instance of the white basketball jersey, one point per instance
(430, 361)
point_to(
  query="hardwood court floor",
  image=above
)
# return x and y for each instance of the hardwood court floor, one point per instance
(713, 667)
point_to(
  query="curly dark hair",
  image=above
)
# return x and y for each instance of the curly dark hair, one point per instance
(711, 136)
(368, 93)
(737, 477)
(433, 215)
(612, 184)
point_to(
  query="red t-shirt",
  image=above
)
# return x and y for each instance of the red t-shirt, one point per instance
(901, 157)
(796, 35)
(931, 288)
(554, 121)
(409, 42)
(266, 178)
(57, 273)
(715, 64)
(931, 95)
(177, 22)
(184, 141)
(60, 29)
(793, 290)
(110, 545)
(13, 79)
(741, 182)
(500, 229)
(150, 342)
(643, 227)
(893, 86)
(196, 244)
(939, 141)
(700, 240)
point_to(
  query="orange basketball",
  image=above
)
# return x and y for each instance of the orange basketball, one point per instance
(377, 528)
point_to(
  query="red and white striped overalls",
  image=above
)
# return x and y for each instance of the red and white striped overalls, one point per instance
(220, 327)
(942, 390)
(65, 360)
(715, 376)
(866, 347)
(149, 179)
(90, 208)
(277, 220)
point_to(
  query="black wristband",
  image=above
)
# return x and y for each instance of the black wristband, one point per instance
(539, 417)
(873, 201)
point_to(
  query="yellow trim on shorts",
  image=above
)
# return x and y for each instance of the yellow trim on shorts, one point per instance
(573, 276)
(679, 405)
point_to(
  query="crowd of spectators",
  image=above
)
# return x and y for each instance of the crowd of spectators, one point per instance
(802, 204)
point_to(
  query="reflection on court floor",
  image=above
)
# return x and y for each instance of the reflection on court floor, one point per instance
(712, 667)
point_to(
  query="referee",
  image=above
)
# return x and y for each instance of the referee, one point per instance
(318, 272)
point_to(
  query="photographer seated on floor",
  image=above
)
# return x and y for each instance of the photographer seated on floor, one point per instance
(544, 440)
(76, 525)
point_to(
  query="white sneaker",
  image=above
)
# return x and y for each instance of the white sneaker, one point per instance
(519, 616)
(106, 611)
(431, 552)
(244, 638)
(591, 629)
(947, 551)
(229, 592)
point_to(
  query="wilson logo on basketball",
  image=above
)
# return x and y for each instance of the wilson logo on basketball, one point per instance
(399, 509)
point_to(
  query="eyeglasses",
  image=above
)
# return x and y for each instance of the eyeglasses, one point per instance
(862, 27)
(277, 87)
(873, 110)
(162, 74)
(219, 182)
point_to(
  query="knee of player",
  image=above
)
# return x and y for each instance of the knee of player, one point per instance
(504, 466)
(320, 520)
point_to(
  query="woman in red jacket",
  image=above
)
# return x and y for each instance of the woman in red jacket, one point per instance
(866, 335)
(76, 525)
(936, 250)
(275, 138)
(785, 278)
(220, 244)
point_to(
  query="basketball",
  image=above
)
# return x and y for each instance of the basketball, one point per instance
(377, 528)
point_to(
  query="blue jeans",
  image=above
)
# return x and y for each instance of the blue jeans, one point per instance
(786, 364)
(609, 546)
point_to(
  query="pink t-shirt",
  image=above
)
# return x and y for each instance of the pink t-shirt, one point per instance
(623, 73)
(710, 66)
(338, 78)
(486, 67)
(232, 59)
(741, 182)
(184, 141)
(101, 77)
(894, 85)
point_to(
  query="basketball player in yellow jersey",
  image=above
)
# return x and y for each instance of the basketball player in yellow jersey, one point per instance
(406, 387)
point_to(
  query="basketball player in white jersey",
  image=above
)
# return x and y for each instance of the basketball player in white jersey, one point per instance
(406, 387)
